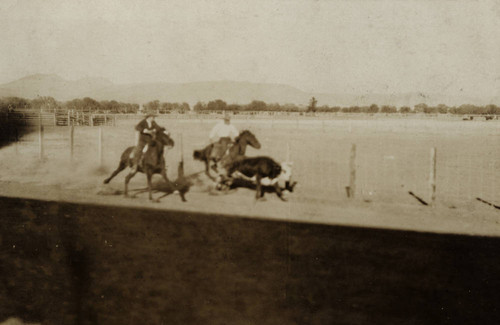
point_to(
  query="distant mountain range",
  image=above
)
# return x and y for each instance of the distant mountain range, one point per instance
(229, 91)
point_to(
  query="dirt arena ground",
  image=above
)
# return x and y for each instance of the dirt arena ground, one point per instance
(393, 158)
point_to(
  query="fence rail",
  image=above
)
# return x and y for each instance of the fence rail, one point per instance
(66, 118)
(60, 118)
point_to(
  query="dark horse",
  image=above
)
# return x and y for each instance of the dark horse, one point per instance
(238, 149)
(153, 161)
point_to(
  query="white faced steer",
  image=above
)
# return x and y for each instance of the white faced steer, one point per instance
(263, 171)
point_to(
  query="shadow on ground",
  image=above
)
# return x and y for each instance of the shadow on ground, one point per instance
(64, 263)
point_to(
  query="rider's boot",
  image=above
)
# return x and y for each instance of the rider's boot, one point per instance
(138, 161)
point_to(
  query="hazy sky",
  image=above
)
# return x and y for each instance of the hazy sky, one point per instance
(451, 47)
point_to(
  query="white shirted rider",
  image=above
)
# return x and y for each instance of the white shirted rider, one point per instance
(223, 129)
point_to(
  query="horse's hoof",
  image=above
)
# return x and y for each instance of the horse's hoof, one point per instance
(105, 181)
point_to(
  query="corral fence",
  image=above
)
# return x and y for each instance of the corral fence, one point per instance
(77, 118)
(60, 118)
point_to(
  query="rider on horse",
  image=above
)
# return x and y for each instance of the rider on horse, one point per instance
(222, 137)
(145, 131)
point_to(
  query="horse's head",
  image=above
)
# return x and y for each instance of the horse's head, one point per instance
(249, 138)
(164, 138)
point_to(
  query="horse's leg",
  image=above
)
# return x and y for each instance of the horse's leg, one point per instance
(127, 179)
(121, 166)
(149, 175)
(163, 174)
(207, 170)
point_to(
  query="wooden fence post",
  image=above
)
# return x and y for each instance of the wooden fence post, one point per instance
(351, 189)
(40, 142)
(180, 169)
(40, 136)
(100, 148)
(181, 147)
(71, 141)
(91, 117)
(432, 176)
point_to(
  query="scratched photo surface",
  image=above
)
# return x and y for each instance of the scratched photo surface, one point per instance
(249, 162)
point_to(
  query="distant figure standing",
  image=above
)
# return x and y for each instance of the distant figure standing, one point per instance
(222, 135)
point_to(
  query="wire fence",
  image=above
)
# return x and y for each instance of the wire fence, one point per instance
(392, 158)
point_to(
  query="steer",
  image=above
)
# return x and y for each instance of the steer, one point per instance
(261, 168)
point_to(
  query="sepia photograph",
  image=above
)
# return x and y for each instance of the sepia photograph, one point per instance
(249, 162)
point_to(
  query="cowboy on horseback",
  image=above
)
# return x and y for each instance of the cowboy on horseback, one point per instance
(145, 130)
(222, 137)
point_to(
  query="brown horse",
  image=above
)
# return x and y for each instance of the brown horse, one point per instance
(238, 149)
(153, 161)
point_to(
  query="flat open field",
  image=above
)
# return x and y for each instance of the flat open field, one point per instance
(392, 158)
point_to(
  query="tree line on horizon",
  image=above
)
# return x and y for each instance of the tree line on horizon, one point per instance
(88, 104)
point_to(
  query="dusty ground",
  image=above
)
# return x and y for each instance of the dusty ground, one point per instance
(392, 159)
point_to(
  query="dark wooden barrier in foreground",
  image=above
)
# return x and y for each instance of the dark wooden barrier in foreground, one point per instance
(66, 263)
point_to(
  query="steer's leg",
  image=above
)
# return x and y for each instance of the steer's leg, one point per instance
(279, 192)
(183, 197)
(259, 192)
